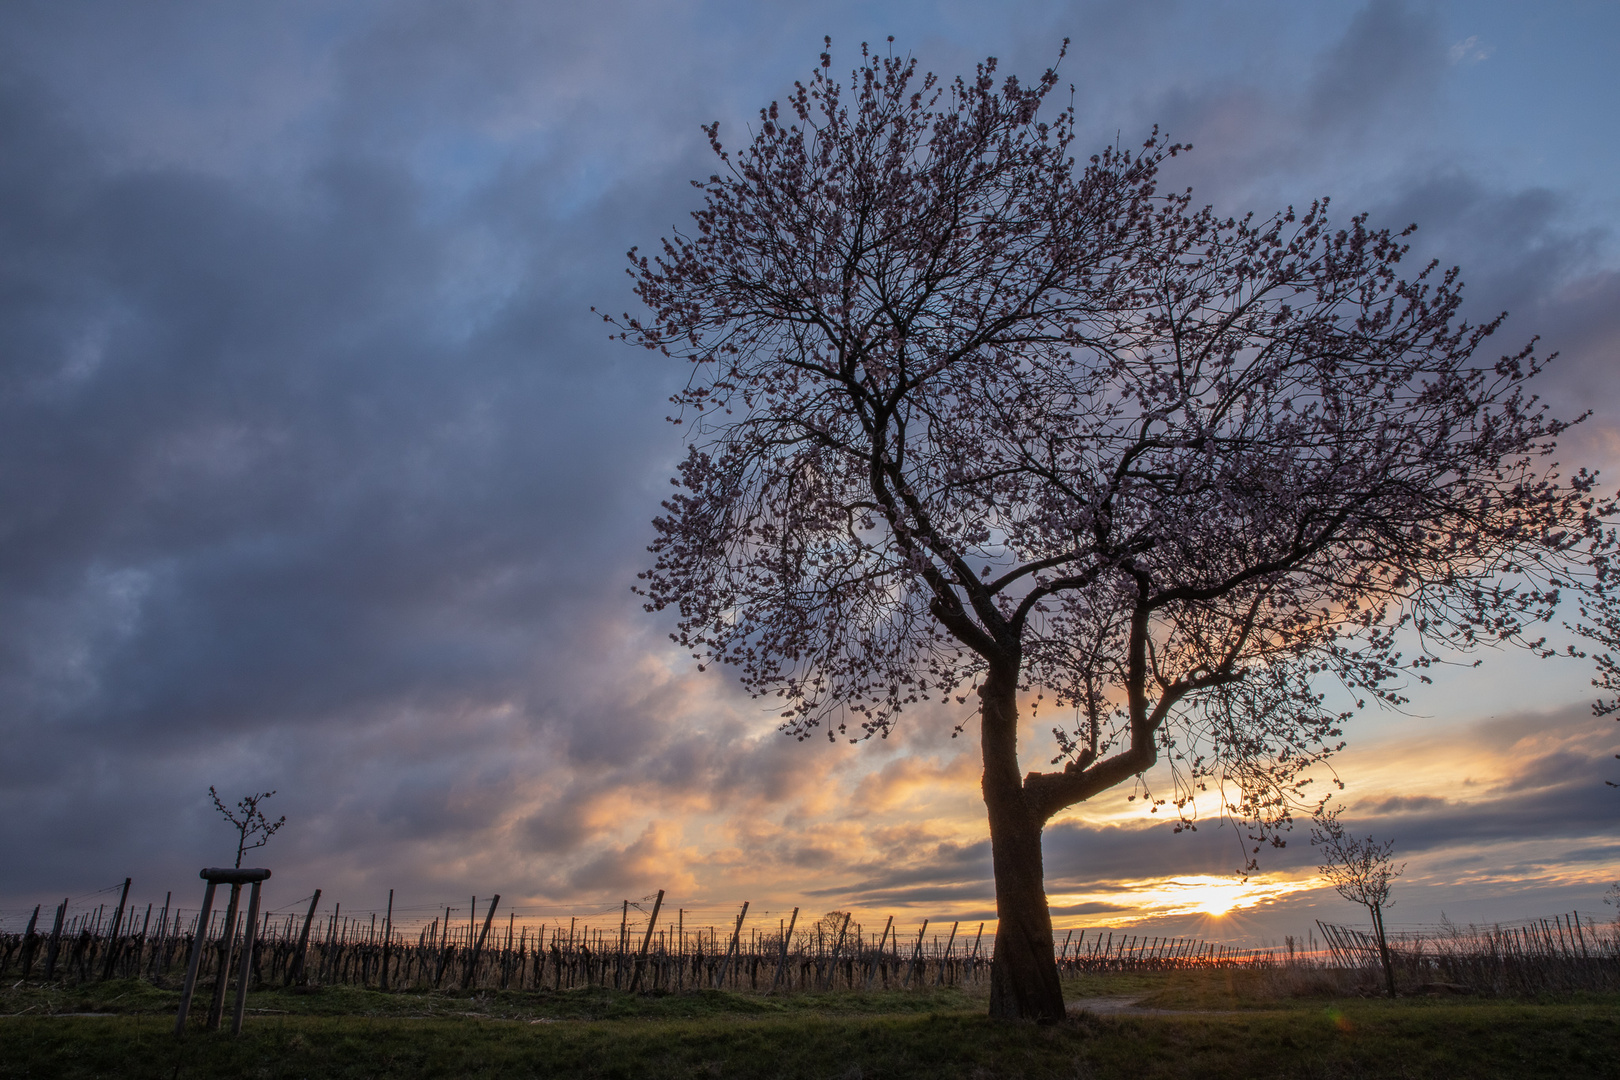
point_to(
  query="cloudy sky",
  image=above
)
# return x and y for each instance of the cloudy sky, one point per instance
(318, 475)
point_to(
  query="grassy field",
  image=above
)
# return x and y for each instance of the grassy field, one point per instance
(1209, 1027)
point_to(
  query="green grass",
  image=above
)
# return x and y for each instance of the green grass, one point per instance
(134, 997)
(354, 1033)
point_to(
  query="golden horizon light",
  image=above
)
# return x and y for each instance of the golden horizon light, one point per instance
(1207, 895)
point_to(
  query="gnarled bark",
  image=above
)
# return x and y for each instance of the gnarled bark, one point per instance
(1023, 974)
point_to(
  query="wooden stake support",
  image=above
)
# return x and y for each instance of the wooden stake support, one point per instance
(781, 963)
(736, 940)
(646, 942)
(235, 877)
(295, 970)
(112, 937)
(472, 963)
(249, 935)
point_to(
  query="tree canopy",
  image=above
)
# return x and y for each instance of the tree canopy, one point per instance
(968, 413)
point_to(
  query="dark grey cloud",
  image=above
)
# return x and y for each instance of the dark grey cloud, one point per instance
(942, 870)
(1517, 248)
(1553, 793)
(1390, 58)
(285, 465)
(1277, 117)
(1087, 856)
(1542, 258)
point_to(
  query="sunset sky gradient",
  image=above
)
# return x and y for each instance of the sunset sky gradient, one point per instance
(317, 473)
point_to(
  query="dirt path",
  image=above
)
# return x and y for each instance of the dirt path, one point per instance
(1127, 1006)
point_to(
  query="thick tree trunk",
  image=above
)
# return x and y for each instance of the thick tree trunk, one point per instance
(1023, 974)
(1383, 947)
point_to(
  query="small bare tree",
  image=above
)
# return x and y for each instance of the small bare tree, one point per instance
(1361, 870)
(249, 821)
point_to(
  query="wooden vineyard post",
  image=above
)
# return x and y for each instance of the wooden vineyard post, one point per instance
(838, 953)
(916, 954)
(973, 957)
(939, 980)
(295, 970)
(30, 942)
(227, 942)
(112, 937)
(140, 941)
(871, 969)
(56, 941)
(329, 967)
(781, 963)
(194, 959)
(249, 933)
(736, 940)
(160, 948)
(388, 940)
(539, 962)
(444, 950)
(557, 970)
(541, 955)
(506, 950)
(646, 942)
(832, 961)
(624, 930)
(472, 962)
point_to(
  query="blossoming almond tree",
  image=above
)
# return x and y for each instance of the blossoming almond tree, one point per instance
(968, 415)
(1361, 870)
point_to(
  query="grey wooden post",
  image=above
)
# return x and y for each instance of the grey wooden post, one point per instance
(837, 955)
(646, 942)
(222, 976)
(508, 959)
(194, 960)
(624, 931)
(112, 938)
(249, 934)
(781, 963)
(296, 968)
(871, 969)
(444, 949)
(940, 978)
(30, 942)
(140, 940)
(388, 938)
(160, 946)
(56, 941)
(916, 954)
(832, 961)
(736, 939)
(472, 963)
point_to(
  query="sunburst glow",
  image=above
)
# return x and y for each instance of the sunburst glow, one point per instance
(1208, 895)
